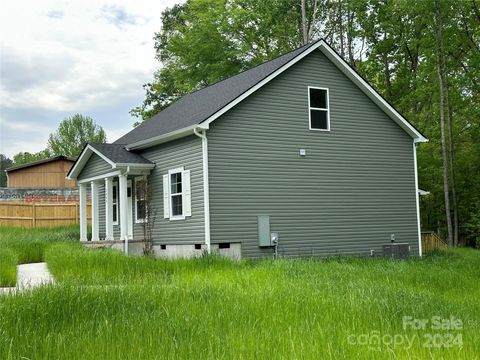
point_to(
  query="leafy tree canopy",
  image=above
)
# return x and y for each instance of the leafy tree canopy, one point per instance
(26, 157)
(72, 135)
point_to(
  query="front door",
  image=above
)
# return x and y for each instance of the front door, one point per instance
(129, 209)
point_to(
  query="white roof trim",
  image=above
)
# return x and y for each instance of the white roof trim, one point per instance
(335, 59)
(370, 92)
(87, 153)
(348, 71)
(82, 160)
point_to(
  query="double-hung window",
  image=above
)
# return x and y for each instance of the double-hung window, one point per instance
(176, 194)
(318, 108)
(141, 199)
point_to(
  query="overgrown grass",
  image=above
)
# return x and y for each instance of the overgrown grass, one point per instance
(142, 308)
(8, 267)
(24, 245)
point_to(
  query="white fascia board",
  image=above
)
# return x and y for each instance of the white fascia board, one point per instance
(156, 140)
(348, 71)
(371, 92)
(336, 60)
(80, 163)
(82, 160)
(260, 84)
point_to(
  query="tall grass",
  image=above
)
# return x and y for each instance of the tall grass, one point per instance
(8, 267)
(142, 308)
(25, 245)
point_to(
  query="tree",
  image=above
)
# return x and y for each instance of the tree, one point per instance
(72, 135)
(441, 75)
(26, 157)
(5, 163)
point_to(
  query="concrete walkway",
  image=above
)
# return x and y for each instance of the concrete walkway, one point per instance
(30, 276)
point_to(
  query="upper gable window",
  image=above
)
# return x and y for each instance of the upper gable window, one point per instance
(319, 109)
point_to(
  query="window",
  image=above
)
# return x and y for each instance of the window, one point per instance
(115, 203)
(176, 194)
(319, 109)
(140, 199)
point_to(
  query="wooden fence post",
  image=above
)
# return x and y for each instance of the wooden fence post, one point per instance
(34, 215)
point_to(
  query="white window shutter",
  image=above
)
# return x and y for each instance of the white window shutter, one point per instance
(166, 197)
(187, 194)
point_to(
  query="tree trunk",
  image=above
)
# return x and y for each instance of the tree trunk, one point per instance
(452, 164)
(388, 82)
(350, 25)
(340, 22)
(439, 51)
(304, 24)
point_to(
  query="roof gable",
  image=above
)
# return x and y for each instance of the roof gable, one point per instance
(206, 105)
(115, 155)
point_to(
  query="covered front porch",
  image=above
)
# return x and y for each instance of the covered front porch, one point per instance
(113, 175)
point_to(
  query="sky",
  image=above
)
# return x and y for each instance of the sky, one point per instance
(58, 58)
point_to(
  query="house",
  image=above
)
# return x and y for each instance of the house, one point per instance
(298, 155)
(42, 174)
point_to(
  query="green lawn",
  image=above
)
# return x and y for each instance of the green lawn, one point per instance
(106, 305)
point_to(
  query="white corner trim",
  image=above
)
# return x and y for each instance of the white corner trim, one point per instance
(206, 187)
(417, 202)
(313, 108)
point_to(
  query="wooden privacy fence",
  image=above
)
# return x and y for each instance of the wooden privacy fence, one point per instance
(40, 214)
(431, 241)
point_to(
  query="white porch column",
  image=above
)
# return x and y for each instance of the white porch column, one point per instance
(83, 211)
(95, 216)
(122, 182)
(108, 208)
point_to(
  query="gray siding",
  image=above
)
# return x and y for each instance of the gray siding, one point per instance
(186, 152)
(95, 166)
(354, 188)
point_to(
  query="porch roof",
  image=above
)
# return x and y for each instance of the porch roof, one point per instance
(114, 154)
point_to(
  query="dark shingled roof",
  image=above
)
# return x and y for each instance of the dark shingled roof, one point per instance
(198, 106)
(119, 155)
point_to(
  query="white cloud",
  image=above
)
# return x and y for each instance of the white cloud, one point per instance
(85, 56)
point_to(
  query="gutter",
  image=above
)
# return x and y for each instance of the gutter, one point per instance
(206, 188)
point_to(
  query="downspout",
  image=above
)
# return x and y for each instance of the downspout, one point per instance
(206, 192)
